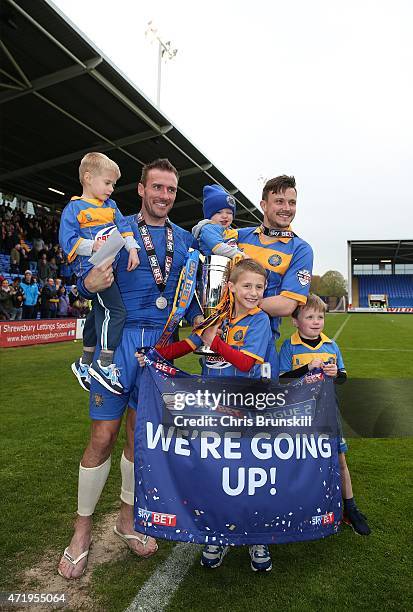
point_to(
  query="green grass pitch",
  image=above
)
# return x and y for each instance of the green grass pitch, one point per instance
(45, 425)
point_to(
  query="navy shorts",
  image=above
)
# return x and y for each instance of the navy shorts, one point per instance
(106, 406)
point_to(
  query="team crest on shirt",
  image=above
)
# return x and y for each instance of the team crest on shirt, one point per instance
(238, 335)
(88, 217)
(98, 400)
(275, 260)
(304, 277)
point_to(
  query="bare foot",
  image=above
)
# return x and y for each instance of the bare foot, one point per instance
(80, 542)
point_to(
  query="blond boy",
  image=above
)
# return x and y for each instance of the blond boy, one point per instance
(85, 224)
(307, 350)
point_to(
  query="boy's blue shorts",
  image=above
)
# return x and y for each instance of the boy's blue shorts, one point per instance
(106, 406)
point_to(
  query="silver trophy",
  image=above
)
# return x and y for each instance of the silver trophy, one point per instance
(215, 271)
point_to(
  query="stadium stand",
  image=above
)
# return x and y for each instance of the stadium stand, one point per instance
(380, 275)
(24, 238)
(397, 288)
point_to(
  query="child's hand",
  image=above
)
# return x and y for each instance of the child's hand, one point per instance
(197, 321)
(330, 369)
(315, 363)
(97, 244)
(141, 359)
(244, 255)
(133, 261)
(209, 334)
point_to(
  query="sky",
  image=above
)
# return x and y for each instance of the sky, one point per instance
(321, 90)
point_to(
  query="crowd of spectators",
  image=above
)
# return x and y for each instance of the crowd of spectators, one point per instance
(36, 281)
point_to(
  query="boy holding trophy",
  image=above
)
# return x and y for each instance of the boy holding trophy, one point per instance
(242, 341)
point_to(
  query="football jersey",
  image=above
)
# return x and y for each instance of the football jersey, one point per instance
(88, 219)
(295, 353)
(213, 236)
(289, 262)
(138, 288)
(249, 333)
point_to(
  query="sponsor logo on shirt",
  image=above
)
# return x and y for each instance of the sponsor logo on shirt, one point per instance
(105, 232)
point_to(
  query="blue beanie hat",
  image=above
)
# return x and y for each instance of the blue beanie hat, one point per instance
(215, 199)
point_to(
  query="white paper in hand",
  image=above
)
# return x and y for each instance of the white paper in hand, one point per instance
(109, 250)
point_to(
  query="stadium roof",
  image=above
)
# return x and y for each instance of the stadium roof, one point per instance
(372, 251)
(61, 97)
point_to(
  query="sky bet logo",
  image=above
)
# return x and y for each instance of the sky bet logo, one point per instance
(323, 519)
(157, 518)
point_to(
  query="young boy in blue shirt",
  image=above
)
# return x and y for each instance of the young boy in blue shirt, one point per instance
(214, 233)
(86, 222)
(309, 349)
(243, 342)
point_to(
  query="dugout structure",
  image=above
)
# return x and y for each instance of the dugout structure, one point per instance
(380, 275)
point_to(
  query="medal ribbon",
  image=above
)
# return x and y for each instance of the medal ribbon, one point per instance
(160, 278)
(183, 297)
(275, 233)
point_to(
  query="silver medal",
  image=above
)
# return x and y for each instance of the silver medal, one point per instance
(161, 302)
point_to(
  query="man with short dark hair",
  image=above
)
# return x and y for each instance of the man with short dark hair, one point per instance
(148, 294)
(287, 258)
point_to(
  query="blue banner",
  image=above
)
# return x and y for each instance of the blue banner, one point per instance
(235, 461)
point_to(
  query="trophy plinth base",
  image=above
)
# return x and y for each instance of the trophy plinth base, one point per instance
(204, 350)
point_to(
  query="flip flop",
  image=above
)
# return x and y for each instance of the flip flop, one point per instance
(126, 537)
(74, 562)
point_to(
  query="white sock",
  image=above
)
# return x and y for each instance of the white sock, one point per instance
(91, 483)
(127, 492)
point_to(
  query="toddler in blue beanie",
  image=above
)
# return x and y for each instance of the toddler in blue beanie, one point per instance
(214, 232)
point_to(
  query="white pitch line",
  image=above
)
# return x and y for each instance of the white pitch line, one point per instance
(399, 350)
(159, 589)
(340, 329)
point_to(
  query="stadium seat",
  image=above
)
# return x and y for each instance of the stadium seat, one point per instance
(397, 287)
